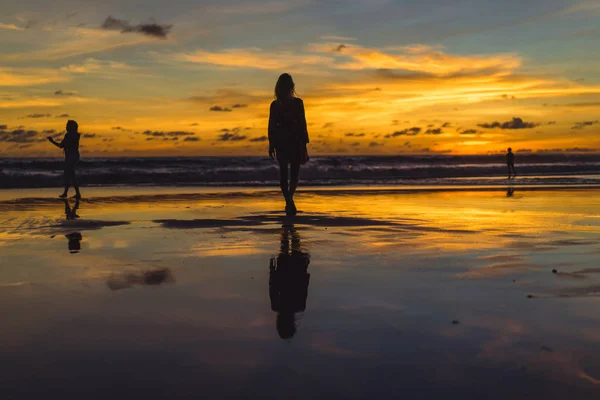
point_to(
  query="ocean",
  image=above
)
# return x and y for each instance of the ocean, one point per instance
(532, 169)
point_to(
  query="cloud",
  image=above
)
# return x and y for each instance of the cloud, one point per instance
(89, 135)
(552, 123)
(167, 134)
(255, 58)
(103, 67)
(375, 144)
(581, 150)
(231, 135)
(583, 124)
(30, 76)
(191, 139)
(259, 139)
(20, 136)
(38, 115)
(416, 58)
(120, 128)
(415, 130)
(352, 134)
(469, 132)
(63, 116)
(219, 109)
(238, 105)
(194, 124)
(436, 131)
(62, 93)
(516, 123)
(446, 125)
(11, 27)
(150, 29)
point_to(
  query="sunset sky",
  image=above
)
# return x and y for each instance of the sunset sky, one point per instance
(150, 77)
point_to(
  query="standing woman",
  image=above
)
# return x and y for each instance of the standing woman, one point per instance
(288, 137)
(70, 146)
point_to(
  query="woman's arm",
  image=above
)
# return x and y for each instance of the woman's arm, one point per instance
(303, 122)
(51, 140)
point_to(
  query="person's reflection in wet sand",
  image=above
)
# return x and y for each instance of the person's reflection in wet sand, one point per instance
(288, 282)
(74, 237)
(510, 191)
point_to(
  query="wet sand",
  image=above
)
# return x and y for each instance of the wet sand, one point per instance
(367, 293)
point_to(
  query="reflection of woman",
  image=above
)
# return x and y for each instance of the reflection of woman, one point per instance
(288, 137)
(288, 282)
(70, 145)
(74, 238)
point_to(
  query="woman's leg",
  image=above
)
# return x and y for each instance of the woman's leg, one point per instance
(294, 173)
(283, 178)
(68, 177)
(75, 182)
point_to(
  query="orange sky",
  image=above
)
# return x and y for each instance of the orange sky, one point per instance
(388, 78)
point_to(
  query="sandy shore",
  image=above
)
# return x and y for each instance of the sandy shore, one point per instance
(377, 292)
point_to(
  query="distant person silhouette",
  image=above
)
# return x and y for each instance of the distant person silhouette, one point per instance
(510, 192)
(288, 282)
(510, 162)
(288, 137)
(70, 146)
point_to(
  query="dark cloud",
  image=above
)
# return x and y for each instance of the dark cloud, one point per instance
(352, 134)
(231, 136)
(524, 151)
(436, 131)
(62, 93)
(355, 144)
(20, 136)
(581, 125)
(446, 125)
(375, 144)
(38, 115)
(516, 123)
(328, 125)
(581, 150)
(150, 29)
(191, 139)
(259, 139)
(415, 130)
(167, 134)
(238, 105)
(89, 135)
(63, 116)
(120, 128)
(340, 48)
(219, 109)
(194, 124)
(552, 123)
(469, 132)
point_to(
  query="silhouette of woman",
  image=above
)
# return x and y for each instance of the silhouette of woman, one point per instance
(70, 146)
(288, 282)
(288, 137)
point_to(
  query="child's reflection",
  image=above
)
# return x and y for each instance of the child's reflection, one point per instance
(74, 237)
(288, 282)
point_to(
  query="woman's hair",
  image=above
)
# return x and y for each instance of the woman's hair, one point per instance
(285, 87)
(72, 125)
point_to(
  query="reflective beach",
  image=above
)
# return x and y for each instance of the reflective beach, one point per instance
(368, 292)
